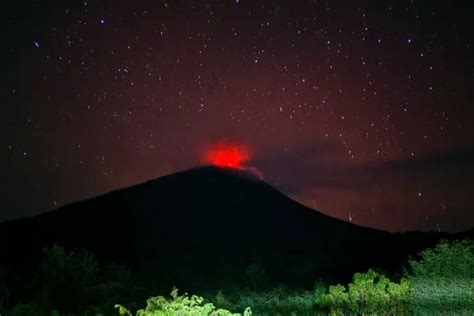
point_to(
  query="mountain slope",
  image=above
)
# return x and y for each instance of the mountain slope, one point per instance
(207, 221)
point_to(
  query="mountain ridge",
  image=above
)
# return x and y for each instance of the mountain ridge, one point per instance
(203, 219)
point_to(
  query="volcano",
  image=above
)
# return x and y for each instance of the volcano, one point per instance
(207, 222)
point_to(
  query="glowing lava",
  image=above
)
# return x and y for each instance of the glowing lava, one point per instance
(229, 155)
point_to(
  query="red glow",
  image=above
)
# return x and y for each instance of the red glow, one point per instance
(229, 155)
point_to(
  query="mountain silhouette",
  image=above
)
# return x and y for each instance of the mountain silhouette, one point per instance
(209, 222)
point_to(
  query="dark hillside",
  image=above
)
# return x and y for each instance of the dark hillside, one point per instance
(209, 223)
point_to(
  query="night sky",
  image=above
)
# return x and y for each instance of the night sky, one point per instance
(360, 109)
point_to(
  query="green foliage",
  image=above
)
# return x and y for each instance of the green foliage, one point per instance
(278, 301)
(182, 305)
(443, 279)
(222, 301)
(319, 290)
(369, 293)
(337, 300)
(451, 260)
(442, 296)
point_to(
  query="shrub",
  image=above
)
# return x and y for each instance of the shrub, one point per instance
(443, 279)
(442, 296)
(337, 300)
(221, 300)
(369, 293)
(452, 260)
(182, 305)
(319, 289)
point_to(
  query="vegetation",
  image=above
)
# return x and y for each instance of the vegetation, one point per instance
(369, 293)
(70, 282)
(277, 301)
(182, 305)
(442, 280)
(449, 260)
(437, 281)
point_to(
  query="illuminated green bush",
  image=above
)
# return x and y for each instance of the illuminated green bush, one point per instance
(180, 305)
(369, 293)
(443, 279)
(451, 260)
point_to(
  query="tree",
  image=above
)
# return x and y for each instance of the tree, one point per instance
(65, 279)
(256, 274)
(4, 295)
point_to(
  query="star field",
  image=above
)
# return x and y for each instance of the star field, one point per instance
(361, 110)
